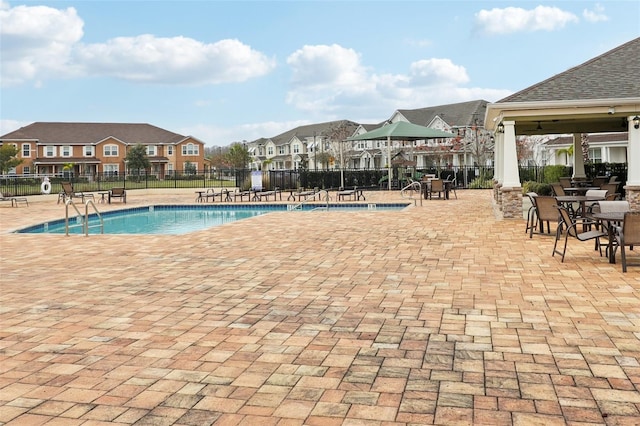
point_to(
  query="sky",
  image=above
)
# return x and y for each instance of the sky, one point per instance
(232, 71)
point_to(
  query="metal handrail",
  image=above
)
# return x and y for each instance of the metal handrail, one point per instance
(413, 186)
(84, 218)
(307, 199)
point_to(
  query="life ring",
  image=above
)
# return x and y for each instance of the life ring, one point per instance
(45, 187)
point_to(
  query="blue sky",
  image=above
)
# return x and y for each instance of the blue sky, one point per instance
(226, 71)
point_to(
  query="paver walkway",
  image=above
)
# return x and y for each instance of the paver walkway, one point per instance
(437, 314)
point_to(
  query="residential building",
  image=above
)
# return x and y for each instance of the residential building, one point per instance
(603, 148)
(314, 146)
(87, 149)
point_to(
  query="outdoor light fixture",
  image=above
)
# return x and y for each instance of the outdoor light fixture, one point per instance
(539, 126)
(500, 128)
(636, 122)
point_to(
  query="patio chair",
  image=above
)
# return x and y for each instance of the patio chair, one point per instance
(545, 211)
(599, 180)
(532, 219)
(573, 226)
(558, 189)
(611, 188)
(118, 193)
(589, 205)
(628, 235)
(436, 185)
(565, 181)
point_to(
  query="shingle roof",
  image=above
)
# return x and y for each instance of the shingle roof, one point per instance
(319, 129)
(460, 114)
(85, 133)
(614, 74)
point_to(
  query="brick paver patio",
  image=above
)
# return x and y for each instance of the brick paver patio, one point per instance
(437, 314)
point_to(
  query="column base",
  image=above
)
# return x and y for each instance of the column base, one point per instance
(632, 195)
(511, 202)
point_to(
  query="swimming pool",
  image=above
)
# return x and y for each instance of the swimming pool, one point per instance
(171, 219)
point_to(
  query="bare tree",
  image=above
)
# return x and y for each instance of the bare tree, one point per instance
(337, 138)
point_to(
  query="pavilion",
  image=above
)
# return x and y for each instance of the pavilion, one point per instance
(600, 95)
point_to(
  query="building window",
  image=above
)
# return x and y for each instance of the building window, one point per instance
(26, 150)
(282, 150)
(110, 150)
(190, 149)
(111, 169)
(595, 155)
(26, 170)
(169, 171)
(296, 148)
(170, 150)
(151, 150)
(49, 151)
(65, 151)
(89, 150)
(270, 150)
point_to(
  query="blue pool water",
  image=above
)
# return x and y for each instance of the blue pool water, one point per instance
(166, 219)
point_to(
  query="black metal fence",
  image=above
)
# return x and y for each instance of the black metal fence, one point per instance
(469, 177)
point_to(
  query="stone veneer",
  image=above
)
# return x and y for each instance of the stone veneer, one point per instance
(632, 195)
(511, 202)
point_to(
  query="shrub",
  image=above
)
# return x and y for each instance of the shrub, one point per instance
(481, 184)
(537, 187)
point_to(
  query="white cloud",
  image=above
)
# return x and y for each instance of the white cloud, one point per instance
(596, 15)
(515, 19)
(175, 60)
(40, 42)
(36, 42)
(7, 126)
(222, 136)
(330, 81)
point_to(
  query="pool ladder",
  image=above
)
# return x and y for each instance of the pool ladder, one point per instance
(293, 207)
(82, 219)
(411, 189)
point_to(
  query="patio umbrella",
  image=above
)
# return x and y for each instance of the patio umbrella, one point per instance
(401, 131)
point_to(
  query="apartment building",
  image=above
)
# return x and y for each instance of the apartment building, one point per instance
(86, 149)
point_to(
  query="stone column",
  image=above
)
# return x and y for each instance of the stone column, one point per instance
(632, 188)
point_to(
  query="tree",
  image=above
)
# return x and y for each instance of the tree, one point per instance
(189, 168)
(8, 158)
(137, 158)
(337, 137)
(238, 156)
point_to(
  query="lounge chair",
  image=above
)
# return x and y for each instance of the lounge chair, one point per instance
(118, 193)
(14, 200)
(354, 194)
(68, 192)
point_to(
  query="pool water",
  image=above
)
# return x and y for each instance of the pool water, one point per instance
(165, 219)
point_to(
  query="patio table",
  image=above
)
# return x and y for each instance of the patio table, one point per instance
(613, 219)
(582, 199)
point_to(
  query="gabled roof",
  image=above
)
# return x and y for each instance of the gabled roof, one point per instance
(458, 115)
(88, 133)
(308, 131)
(614, 74)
